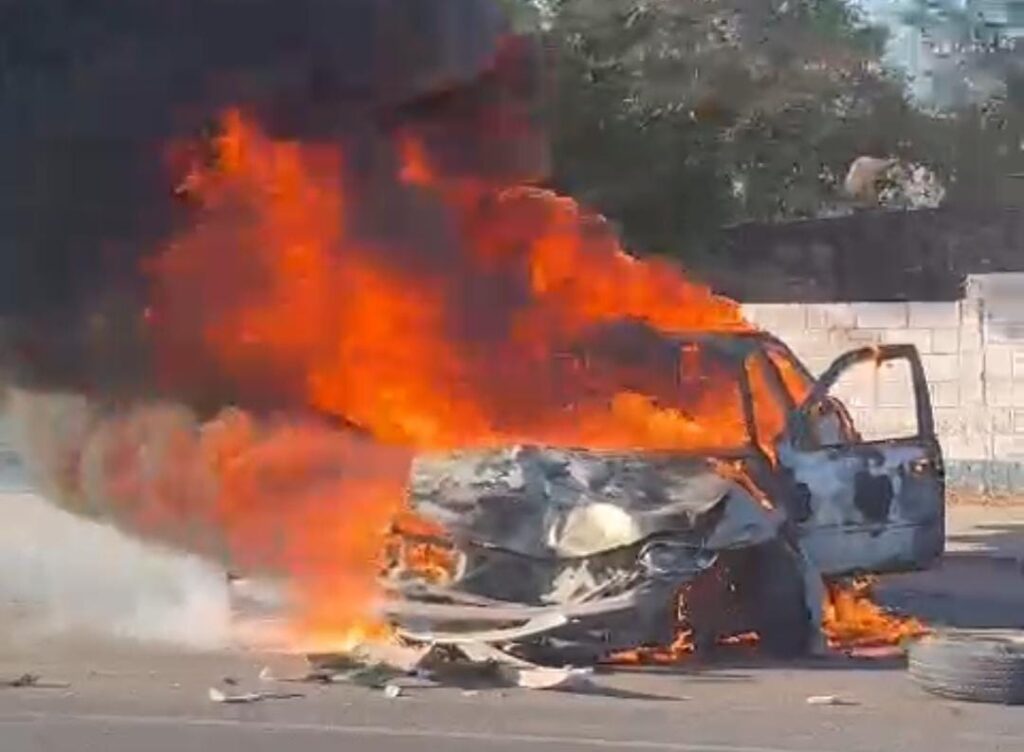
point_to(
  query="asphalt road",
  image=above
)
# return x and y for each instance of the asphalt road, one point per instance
(62, 579)
(135, 700)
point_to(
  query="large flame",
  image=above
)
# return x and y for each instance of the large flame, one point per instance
(493, 321)
(383, 337)
(491, 324)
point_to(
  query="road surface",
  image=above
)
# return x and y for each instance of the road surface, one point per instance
(82, 605)
(130, 701)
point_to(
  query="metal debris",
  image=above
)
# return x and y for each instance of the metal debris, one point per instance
(542, 677)
(34, 681)
(242, 698)
(217, 695)
(829, 700)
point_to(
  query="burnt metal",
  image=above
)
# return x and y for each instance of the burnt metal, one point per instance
(582, 552)
(873, 495)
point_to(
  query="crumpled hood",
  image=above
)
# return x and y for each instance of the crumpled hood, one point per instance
(552, 502)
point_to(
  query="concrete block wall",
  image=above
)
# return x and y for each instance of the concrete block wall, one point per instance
(973, 355)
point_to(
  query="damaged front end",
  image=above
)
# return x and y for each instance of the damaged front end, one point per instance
(577, 553)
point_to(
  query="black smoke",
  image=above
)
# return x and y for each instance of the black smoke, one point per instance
(93, 91)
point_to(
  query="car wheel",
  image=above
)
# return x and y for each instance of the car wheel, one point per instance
(772, 589)
(975, 665)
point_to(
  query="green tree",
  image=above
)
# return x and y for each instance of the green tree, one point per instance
(675, 117)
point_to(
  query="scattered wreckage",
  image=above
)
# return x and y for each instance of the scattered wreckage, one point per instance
(567, 556)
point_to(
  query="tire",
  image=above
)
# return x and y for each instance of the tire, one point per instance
(771, 588)
(978, 666)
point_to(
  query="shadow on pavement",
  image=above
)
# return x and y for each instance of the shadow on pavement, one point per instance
(968, 589)
(727, 667)
(1002, 540)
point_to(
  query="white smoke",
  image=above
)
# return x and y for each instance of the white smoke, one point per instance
(64, 575)
(127, 530)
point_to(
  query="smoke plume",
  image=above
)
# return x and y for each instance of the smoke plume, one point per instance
(95, 94)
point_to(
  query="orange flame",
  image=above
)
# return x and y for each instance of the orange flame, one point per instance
(293, 297)
(853, 620)
(324, 310)
(679, 649)
(286, 498)
(470, 337)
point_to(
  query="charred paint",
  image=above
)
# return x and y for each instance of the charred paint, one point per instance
(872, 495)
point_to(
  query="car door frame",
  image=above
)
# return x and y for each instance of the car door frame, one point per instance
(888, 494)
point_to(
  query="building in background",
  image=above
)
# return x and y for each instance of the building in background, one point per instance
(953, 52)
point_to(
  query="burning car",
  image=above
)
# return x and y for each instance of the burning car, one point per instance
(304, 237)
(583, 553)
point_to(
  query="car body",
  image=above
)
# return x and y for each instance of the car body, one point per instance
(584, 552)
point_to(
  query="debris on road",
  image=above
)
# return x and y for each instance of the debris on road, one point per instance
(472, 666)
(219, 696)
(242, 698)
(829, 700)
(542, 677)
(519, 673)
(34, 681)
(876, 652)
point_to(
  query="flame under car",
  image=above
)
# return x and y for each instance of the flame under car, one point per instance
(575, 554)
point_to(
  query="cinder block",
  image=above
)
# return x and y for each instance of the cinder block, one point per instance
(830, 316)
(852, 338)
(811, 342)
(971, 340)
(998, 362)
(893, 423)
(817, 364)
(945, 341)
(815, 317)
(933, 315)
(971, 381)
(1018, 421)
(1000, 422)
(778, 318)
(999, 393)
(1008, 448)
(855, 395)
(949, 421)
(919, 338)
(945, 394)
(965, 448)
(897, 393)
(941, 367)
(880, 315)
(891, 370)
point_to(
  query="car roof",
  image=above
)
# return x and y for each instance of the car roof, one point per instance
(737, 344)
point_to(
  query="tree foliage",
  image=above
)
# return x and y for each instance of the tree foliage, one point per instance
(676, 117)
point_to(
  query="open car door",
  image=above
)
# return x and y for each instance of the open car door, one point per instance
(868, 481)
